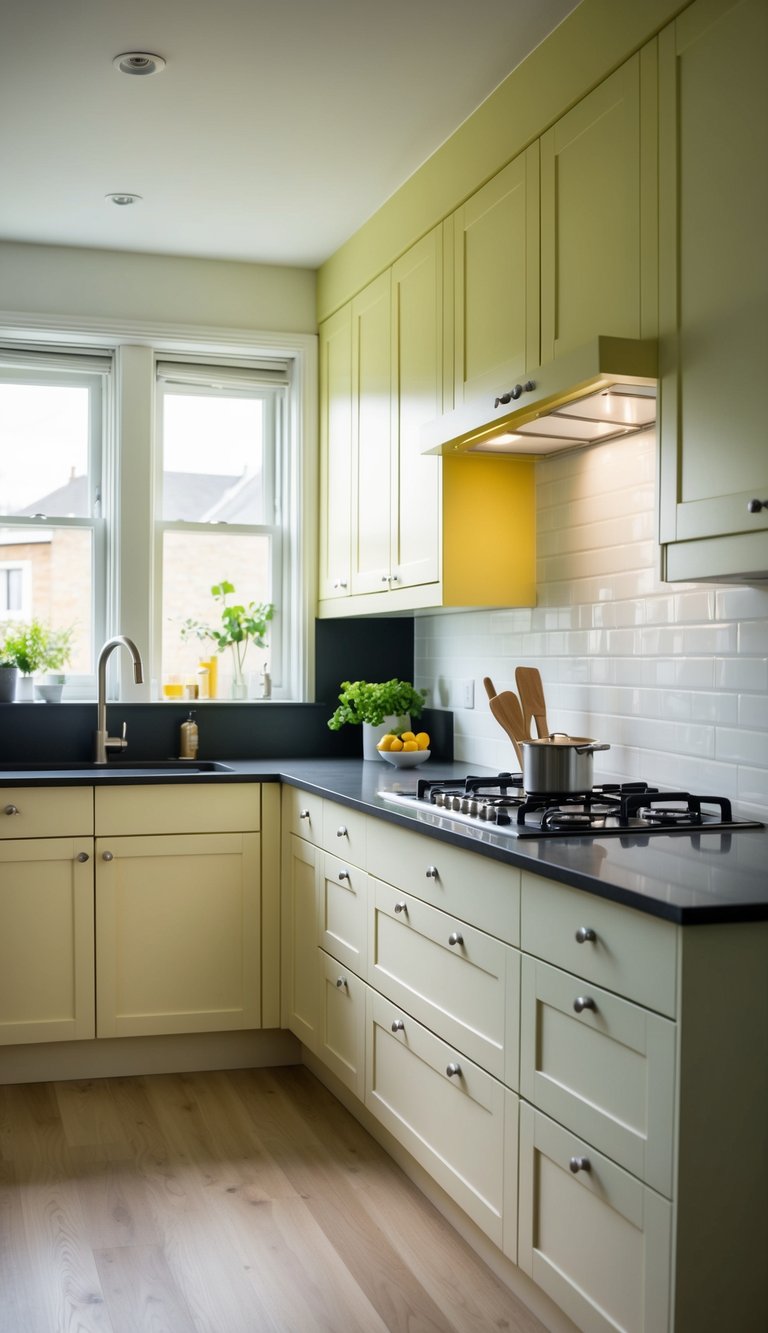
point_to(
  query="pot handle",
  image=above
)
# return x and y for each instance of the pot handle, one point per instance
(591, 749)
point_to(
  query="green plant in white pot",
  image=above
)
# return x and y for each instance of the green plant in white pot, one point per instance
(34, 647)
(379, 706)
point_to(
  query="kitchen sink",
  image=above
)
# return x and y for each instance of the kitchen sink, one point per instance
(141, 768)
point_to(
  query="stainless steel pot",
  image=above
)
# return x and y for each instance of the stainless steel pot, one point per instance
(558, 764)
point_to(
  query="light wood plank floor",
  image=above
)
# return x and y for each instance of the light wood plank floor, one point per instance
(235, 1202)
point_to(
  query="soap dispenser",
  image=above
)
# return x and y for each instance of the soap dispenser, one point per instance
(188, 738)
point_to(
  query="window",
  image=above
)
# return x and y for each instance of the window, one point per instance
(51, 528)
(221, 474)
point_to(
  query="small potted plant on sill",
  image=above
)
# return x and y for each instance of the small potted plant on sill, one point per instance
(33, 648)
(240, 626)
(380, 707)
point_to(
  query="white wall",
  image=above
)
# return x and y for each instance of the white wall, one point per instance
(673, 676)
(112, 284)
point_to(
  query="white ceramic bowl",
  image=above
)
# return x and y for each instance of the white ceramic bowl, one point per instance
(405, 758)
(51, 694)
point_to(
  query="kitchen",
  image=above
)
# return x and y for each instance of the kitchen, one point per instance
(673, 675)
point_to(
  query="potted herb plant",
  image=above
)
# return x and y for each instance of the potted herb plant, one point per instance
(32, 648)
(380, 707)
(239, 627)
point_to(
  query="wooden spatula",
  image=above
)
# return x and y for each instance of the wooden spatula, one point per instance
(508, 713)
(532, 701)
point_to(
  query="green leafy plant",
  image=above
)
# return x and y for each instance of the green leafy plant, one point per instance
(240, 625)
(361, 701)
(35, 647)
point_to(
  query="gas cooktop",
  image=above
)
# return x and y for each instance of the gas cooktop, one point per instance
(500, 805)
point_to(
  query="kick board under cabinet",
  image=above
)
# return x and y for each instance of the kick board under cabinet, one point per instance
(526, 1043)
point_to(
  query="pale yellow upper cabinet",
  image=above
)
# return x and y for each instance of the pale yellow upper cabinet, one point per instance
(598, 193)
(335, 362)
(493, 246)
(371, 436)
(714, 289)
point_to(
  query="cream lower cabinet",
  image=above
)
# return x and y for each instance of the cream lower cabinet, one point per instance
(178, 913)
(46, 915)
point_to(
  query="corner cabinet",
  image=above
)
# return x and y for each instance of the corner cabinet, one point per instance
(714, 291)
(395, 524)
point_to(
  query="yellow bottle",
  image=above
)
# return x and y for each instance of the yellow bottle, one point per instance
(211, 665)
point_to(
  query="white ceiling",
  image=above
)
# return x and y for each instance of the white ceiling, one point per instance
(276, 129)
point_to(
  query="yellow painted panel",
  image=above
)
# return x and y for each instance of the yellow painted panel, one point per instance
(489, 552)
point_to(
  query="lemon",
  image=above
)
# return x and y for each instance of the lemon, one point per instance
(410, 746)
(396, 743)
(407, 736)
(386, 742)
(422, 740)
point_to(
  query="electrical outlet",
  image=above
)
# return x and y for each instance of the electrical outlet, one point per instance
(466, 693)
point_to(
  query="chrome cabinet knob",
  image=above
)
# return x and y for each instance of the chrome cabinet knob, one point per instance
(754, 506)
(453, 1070)
(580, 1164)
(107, 856)
(341, 831)
(431, 872)
(584, 1002)
(303, 814)
(11, 809)
(401, 907)
(585, 933)
(398, 1025)
(341, 982)
(343, 874)
(455, 937)
(82, 856)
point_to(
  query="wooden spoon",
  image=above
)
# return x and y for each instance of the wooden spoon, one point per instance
(509, 715)
(532, 700)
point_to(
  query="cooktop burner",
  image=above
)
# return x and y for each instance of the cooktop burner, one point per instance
(500, 803)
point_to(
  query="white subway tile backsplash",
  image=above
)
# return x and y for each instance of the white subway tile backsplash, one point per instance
(674, 678)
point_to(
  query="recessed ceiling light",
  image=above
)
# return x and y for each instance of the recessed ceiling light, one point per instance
(138, 62)
(122, 200)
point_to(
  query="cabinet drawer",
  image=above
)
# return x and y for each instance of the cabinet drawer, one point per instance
(341, 1043)
(177, 809)
(595, 1239)
(457, 881)
(343, 903)
(453, 1124)
(605, 1069)
(46, 812)
(458, 981)
(303, 814)
(616, 947)
(344, 832)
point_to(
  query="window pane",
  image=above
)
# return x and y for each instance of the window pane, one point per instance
(50, 576)
(213, 458)
(192, 563)
(44, 431)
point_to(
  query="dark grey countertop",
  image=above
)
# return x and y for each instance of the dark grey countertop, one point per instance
(691, 879)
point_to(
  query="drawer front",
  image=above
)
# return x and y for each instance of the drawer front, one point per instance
(596, 1240)
(450, 976)
(303, 814)
(341, 1041)
(46, 812)
(452, 1124)
(343, 909)
(606, 1069)
(344, 832)
(203, 808)
(462, 883)
(616, 947)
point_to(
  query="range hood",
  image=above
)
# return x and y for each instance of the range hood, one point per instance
(600, 392)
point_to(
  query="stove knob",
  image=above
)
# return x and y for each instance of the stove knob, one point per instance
(438, 798)
(503, 818)
(474, 807)
(465, 804)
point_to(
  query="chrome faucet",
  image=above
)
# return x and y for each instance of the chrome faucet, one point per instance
(103, 740)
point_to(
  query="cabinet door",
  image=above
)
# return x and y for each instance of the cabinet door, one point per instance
(342, 914)
(594, 258)
(417, 342)
(371, 461)
(177, 934)
(335, 519)
(714, 288)
(594, 1238)
(46, 940)
(341, 1038)
(300, 955)
(496, 281)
